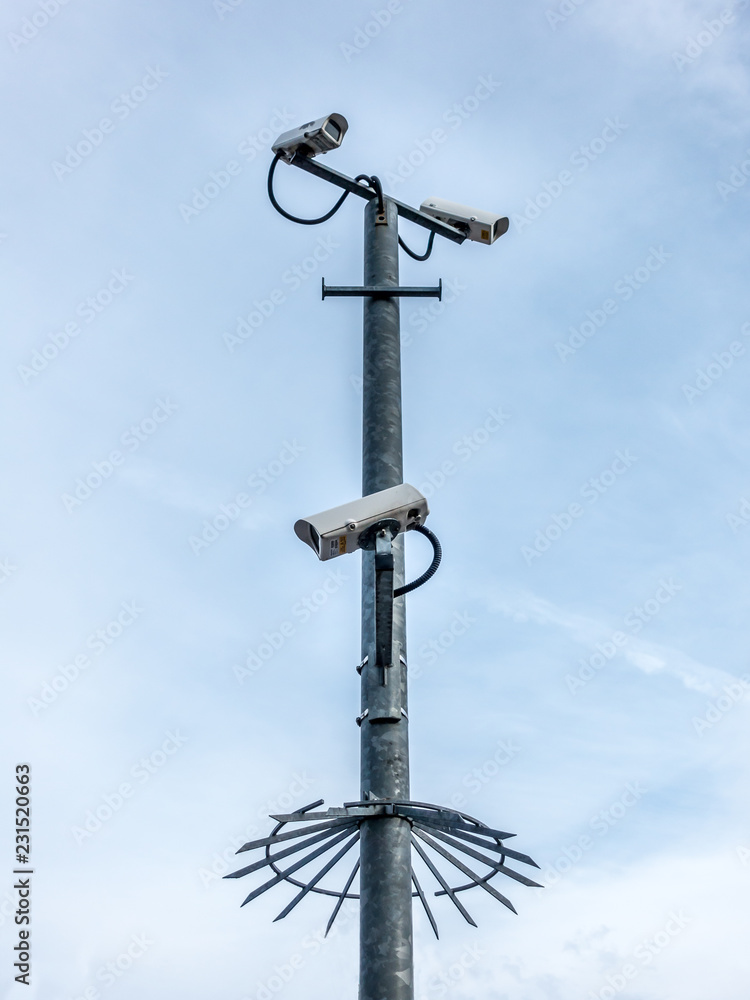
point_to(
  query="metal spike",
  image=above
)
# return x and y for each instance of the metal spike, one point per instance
(519, 877)
(300, 816)
(314, 881)
(449, 892)
(300, 864)
(517, 856)
(275, 838)
(480, 880)
(342, 897)
(498, 866)
(312, 805)
(421, 895)
(271, 858)
(446, 824)
(494, 846)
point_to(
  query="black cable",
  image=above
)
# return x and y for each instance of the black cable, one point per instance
(378, 187)
(293, 218)
(417, 256)
(399, 591)
(373, 182)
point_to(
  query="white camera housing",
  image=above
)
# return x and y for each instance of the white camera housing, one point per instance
(482, 227)
(313, 137)
(337, 531)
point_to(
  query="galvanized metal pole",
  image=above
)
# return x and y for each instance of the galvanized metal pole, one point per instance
(386, 959)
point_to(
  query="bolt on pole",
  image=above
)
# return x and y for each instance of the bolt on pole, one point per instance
(386, 950)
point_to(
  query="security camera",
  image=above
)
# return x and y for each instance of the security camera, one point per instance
(482, 227)
(312, 137)
(345, 528)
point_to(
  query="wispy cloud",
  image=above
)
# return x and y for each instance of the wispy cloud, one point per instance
(648, 657)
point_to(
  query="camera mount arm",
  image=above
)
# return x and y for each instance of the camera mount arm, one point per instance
(383, 601)
(314, 166)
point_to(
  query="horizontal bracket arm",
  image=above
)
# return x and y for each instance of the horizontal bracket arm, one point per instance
(313, 166)
(384, 291)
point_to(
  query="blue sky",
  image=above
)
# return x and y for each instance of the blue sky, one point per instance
(580, 669)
